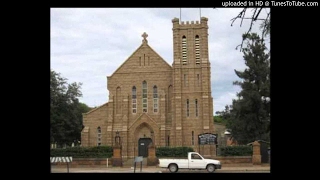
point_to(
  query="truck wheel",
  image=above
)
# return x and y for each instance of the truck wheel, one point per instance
(210, 168)
(173, 168)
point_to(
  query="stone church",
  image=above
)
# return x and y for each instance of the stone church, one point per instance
(151, 101)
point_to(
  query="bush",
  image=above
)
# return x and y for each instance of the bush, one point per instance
(236, 151)
(173, 151)
(107, 152)
(83, 152)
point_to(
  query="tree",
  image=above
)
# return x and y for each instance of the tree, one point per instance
(84, 108)
(219, 119)
(250, 114)
(265, 26)
(65, 110)
(225, 114)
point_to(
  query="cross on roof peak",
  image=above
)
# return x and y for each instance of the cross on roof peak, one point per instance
(144, 35)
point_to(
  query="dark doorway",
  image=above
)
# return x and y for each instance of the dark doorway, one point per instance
(143, 144)
(264, 152)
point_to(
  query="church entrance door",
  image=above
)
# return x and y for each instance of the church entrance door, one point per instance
(143, 144)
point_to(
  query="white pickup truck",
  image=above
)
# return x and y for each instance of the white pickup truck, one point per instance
(194, 161)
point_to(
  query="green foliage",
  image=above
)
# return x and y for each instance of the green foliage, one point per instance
(236, 151)
(84, 108)
(223, 116)
(83, 152)
(220, 119)
(250, 114)
(173, 151)
(65, 110)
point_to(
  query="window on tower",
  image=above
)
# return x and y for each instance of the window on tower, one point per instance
(197, 49)
(185, 80)
(198, 80)
(184, 50)
(192, 138)
(187, 107)
(196, 104)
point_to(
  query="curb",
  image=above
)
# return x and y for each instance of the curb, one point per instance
(143, 171)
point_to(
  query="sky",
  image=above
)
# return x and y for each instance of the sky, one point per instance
(89, 44)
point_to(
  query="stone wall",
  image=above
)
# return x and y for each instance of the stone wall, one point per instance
(87, 162)
(234, 159)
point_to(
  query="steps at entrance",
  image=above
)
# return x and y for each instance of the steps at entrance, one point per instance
(130, 163)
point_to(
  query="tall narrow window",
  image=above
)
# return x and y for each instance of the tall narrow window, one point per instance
(118, 100)
(187, 107)
(99, 136)
(144, 97)
(192, 138)
(140, 60)
(185, 80)
(134, 99)
(198, 80)
(184, 50)
(196, 104)
(155, 99)
(168, 141)
(197, 46)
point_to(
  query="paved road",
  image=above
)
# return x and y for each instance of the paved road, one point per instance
(218, 171)
(159, 170)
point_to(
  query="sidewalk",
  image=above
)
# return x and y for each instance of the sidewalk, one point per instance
(149, 169)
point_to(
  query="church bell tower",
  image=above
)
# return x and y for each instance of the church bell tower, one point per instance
(192, 99)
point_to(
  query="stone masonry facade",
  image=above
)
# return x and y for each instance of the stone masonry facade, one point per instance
(150, 99)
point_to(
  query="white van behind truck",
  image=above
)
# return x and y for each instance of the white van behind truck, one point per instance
(194, 161)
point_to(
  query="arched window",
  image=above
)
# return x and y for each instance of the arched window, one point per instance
(184, 50)
(99, 136)
(144, 97)
(134, 99)
(197, 50)
(155, 99)
(187, 107)
(192, 138)
(196, 104)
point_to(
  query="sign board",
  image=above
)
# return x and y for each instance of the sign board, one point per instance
(138, 159)
(60, 159)
(207, 138)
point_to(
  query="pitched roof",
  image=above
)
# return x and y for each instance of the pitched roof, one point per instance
(144, 44)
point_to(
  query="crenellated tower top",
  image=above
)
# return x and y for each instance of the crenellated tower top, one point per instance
(190, 24)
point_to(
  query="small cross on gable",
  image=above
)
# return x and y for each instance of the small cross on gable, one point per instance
(144, 35)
